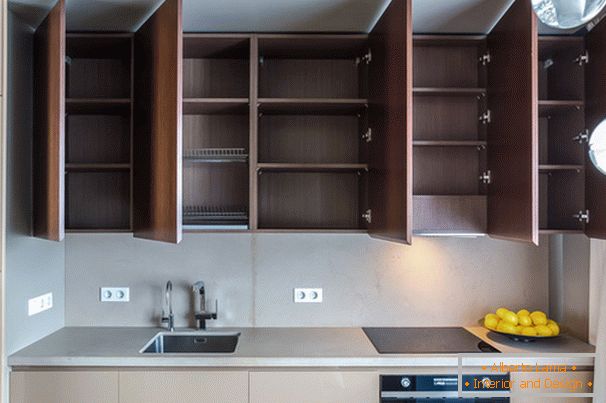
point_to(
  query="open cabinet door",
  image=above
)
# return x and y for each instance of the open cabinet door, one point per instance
(157, 175)
(390, 118)
(595, 112)
(49, 126)
(513, 94)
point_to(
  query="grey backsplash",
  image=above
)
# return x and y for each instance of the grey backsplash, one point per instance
(437, 281)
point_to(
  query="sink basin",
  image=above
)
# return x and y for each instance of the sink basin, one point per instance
(192, 343)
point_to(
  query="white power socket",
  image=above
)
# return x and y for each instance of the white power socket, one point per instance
(308, 295)
(39, 304)
(114, 294)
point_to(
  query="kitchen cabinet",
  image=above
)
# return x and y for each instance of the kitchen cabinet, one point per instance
(64, 387)
(552, 383)
(184, 386)
(317, 387)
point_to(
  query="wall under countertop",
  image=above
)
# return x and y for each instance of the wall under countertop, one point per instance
(437, 281)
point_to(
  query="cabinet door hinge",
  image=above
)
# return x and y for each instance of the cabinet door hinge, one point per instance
(484, 59)
(68, 60)
(367, 58)
(486, 117)
(582, 216)
(582, 137)
(367, 135)
(486, 177)
(367, 216)
(582, 59)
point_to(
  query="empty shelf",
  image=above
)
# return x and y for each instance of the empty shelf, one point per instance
(549, 107)
(560, 167)
(449, 143)
(449, 91)
(216, 155)
(312, 167)
(98, 106)
(320, 106)
(97, 166)
(550, 231)
(220, 106)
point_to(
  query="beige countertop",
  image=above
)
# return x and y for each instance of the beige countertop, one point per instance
(279, 347)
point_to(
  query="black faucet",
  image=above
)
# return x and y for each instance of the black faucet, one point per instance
(200, 313)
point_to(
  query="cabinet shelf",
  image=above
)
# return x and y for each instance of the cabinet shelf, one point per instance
(560, 167)
(220, 106)
(311, 167)
(319, 106)
(554, 107)
(550, 231)
(97, 166)
(449, 91)
(98, 106)
(215, 155)
(449, 143)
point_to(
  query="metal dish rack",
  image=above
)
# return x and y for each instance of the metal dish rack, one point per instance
(215, 155)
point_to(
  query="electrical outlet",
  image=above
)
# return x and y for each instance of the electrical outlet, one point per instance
(39, 304)
(308, 295)
(114, 294)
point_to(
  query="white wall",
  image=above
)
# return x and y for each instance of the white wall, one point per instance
(33, 267)
(366, 282)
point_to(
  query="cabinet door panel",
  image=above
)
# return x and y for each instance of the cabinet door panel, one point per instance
(64, 387)
(184, 387)
(595, 112)
(49, 125)
(157, 176)
(316, 387)
(513, 201)
(390, 117)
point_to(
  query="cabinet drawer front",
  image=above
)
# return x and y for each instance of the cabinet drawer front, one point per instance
(64, 387)
(316, 387)
(184, 387)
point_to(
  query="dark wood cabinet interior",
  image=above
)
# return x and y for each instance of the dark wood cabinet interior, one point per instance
(449, 134)
(216, 96)
(98, 133)
(562, 152)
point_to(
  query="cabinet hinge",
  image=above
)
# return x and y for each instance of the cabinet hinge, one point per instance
(261, 60)
(583, 58)
(367, 58)
(486, 177)
(367, 216)
(582, 137)
(68, 60)
(486, 117)
(582, 216)
(484, 59)
(548, 63)
(367, 135)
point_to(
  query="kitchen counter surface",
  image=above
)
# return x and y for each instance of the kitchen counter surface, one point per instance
(280, 347)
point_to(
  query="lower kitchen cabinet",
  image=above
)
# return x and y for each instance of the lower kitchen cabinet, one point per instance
(316, 387)
(183, 387)
(64, 387)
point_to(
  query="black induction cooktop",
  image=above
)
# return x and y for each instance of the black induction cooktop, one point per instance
(426, 340)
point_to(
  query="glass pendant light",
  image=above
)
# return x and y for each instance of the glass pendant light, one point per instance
(597, 147)
(567, 14)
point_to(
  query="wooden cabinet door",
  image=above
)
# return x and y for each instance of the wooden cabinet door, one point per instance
(595, 112)
(64, 387)
(157, 174)
(513, 92)
(316, 387)
(184, 387)
(390, 118)
(49, 126)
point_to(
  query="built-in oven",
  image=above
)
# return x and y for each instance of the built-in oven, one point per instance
(442, 388)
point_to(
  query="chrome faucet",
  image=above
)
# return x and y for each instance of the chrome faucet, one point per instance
(167, 310)
(200, 313)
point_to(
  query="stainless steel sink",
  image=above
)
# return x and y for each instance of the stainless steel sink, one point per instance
(192, 343)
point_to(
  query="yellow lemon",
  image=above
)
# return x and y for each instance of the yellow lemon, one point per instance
(538, 318)
(519, 329)
(491, 315)
(552, 322)
(505, 327)
(510, 317)
(555, 329)
(543, 330)
(523, 312)
(491, 322)
(501, 312)
(524, 320)
(529, 331)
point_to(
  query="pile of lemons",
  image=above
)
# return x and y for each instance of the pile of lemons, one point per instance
(522, 323)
